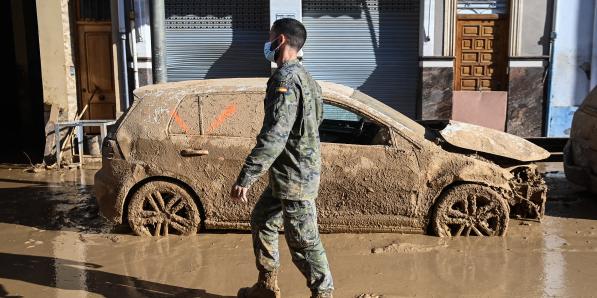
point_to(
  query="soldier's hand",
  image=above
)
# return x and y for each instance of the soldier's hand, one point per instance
(239, 193)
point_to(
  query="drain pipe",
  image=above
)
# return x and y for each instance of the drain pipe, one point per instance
(133, 42)
(122, 54)
(158, 41)
(552, 44)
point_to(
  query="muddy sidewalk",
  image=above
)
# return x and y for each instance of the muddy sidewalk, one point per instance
(54, 244)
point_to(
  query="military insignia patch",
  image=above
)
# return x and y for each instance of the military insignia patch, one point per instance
(282, 89)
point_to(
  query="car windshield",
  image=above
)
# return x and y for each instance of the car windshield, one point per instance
(389, 112)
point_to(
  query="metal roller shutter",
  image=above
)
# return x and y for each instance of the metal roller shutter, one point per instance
(370, 45)
(216, 39)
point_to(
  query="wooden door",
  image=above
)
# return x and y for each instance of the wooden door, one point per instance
(481, 53)
(96, 73)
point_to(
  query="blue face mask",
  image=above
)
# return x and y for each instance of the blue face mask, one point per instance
(268, 52)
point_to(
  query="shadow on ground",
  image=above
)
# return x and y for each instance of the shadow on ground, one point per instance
(58, 206)
(72, 275)
(568, 200)
(51, 206)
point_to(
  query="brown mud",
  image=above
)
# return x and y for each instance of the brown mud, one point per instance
(370, 188)
(54, 244)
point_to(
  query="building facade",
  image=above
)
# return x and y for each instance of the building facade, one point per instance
(574, 62)
(422, 57)
(500, 48)
(521, 66)
(429, 59)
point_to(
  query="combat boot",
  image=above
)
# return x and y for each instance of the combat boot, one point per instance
(322, 295)
(266, 287)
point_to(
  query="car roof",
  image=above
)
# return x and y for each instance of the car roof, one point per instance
(339, 94)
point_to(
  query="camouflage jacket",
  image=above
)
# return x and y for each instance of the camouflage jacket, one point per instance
(288, 144)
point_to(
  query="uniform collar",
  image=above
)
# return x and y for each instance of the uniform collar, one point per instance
(290, 62)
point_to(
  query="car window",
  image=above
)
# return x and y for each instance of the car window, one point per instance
(336, 113)
(344, 126)
(185, 119)
(231, 114)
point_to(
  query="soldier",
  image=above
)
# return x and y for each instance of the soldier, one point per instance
(287, 146)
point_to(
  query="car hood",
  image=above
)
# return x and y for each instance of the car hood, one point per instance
(487, 140)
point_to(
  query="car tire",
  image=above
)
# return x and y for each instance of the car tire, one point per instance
(160, 208)
(470, 210)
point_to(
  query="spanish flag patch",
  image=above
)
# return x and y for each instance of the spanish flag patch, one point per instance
(282, 89)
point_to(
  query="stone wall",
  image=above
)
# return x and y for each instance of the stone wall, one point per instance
(526, 96)
(57, 60)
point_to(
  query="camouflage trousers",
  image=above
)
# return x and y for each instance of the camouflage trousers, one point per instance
(299, 219)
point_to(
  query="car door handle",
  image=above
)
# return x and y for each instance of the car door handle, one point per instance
(193, 152)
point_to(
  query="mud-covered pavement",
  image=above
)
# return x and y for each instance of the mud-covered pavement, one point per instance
(54, 244)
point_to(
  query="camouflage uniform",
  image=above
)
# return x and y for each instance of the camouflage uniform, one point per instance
(288, 146)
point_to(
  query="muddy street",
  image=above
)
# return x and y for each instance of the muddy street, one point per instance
(54, 244)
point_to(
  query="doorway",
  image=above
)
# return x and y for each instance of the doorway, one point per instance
(22, 118)
(481, 60)
(95, 67)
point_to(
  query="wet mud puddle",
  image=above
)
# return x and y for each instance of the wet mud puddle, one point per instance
(54, 244)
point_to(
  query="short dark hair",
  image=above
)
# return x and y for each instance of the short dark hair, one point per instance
(294, 31)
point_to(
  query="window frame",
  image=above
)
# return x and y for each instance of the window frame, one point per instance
(176, 109)
(394, 131)
(362, 114)
(231, 93)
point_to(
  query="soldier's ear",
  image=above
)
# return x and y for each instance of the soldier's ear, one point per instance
(283, 39)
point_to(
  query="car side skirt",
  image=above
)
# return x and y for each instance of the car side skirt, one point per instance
(328, 228)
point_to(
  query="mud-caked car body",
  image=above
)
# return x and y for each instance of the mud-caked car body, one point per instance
(169, 162)
(580, 153)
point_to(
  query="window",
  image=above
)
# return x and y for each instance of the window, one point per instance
(232, 114)
(335, 113)
(185, 119)
(347, 127)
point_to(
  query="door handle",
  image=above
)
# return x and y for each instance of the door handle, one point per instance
(193, 152)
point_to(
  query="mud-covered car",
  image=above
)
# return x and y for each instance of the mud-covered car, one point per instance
(580, 153)
(169, 162)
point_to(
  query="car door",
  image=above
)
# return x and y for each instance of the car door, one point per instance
(368, 182)
(227, 126)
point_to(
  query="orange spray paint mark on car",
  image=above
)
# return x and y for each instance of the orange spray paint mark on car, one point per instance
(178, 120)
(221, 118)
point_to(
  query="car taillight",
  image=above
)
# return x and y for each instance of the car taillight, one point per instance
(110, 149)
